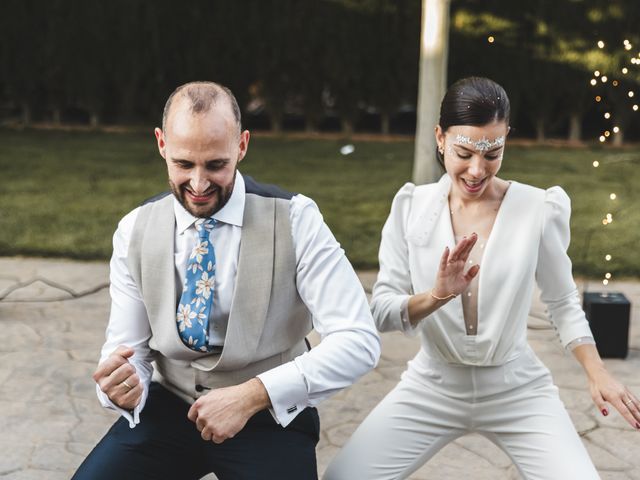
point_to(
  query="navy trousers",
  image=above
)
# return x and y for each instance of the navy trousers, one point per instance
(167, 445)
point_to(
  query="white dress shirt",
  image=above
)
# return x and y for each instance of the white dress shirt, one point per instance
(326, 283)
(527, 245)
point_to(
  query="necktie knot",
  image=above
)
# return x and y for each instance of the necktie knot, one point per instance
(204, 227)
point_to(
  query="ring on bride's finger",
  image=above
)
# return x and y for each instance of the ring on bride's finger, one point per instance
(628, 402)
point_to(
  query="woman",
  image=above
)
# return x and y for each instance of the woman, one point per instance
(475, 371)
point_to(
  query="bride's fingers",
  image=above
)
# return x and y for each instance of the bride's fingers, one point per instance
(444, 259)
(458, 250)
(469, 244)
(471, 273)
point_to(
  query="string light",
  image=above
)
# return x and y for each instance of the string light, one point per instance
(607, 275)
(612, 196)
(491, 39)
(593, 82)
(616, 129)
(607, 133)
(596, 163)
(630, 94)
(598, 98)
(605, 282)
(607, 115)
(602, 140)
(635, 108)
(615, 83)
(625, 70)
(607, 258)
(604, 79)
(600, 44)
(628, 46)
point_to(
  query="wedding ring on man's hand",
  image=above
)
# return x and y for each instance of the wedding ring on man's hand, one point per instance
(628, 402)
(124, 382)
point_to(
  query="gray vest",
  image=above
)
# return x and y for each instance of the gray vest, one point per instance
(268, 321)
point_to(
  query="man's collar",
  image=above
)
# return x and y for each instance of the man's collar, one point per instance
(232, 213)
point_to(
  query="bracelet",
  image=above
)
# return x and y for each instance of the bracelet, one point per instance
(452, 295)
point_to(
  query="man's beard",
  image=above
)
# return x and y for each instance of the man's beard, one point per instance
(222, 195)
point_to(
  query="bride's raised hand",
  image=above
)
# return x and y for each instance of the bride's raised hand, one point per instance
(452, 278)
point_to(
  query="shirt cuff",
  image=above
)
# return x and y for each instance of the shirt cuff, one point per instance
(405, 323)
(132, 416)
(287, 391)
(580, 341)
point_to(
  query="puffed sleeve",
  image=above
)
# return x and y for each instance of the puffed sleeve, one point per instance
(393, 287)
(553, 271)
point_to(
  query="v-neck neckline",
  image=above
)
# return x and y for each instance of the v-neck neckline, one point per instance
(487, 245)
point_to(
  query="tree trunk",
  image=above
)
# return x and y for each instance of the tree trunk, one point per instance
(347, 127)
(26, 114)
(540, 130)
(94, 120)
(432, 86)
(385, 123)
(56, 116)
(618, 138)
(575, 128)
(276, 123)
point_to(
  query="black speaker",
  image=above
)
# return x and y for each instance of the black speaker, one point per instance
(608, 314)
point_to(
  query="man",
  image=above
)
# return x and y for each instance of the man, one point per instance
(234, 384)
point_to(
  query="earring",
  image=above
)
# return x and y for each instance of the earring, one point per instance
(441, 150)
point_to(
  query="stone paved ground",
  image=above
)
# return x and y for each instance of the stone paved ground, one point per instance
(52, 330)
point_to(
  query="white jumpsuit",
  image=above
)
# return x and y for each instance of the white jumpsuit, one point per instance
(490, 382)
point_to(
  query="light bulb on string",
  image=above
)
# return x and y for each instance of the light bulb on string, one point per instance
(631, 94)
(605, 282)
(616, 129)
(598, 98)
(635, 108)
(607, 115)
(602, 140)
(604, 78)
(596, 163)
(625, 70)
(613, 196)
(593, 82)
(491, 39)
(600, 44)
(607, 275)
(615, 83)
(596, 73)
(607, 258)
(607, 133)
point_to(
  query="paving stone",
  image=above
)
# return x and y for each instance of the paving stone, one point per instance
(54, 456)
(91, 431)
(14, 457)
(23, 336)
(623, 444)
(456, 462)
(484, 448)
(33, 474)
(602, 459)
(613, 475)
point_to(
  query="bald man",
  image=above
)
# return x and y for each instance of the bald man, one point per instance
(214, 287)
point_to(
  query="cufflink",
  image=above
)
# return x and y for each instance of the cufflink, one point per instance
(292, 409)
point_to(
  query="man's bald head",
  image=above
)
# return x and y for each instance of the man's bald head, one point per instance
(200, 97)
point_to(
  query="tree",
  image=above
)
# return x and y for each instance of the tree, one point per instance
(433, 69)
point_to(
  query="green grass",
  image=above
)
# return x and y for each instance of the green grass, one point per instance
(62, 194)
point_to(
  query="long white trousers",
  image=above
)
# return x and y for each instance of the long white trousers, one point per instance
(515, 405)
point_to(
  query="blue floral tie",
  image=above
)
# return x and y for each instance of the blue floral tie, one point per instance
(196, 301)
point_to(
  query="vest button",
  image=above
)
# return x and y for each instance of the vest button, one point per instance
(199, 388)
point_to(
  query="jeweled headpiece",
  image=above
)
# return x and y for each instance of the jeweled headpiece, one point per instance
(481, 145)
